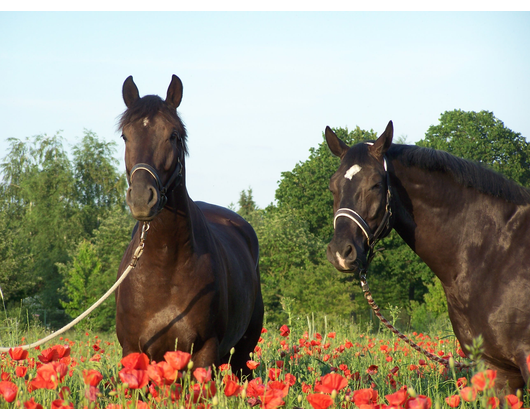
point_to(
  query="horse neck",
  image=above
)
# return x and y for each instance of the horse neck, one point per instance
(440, 219)
(172, 229)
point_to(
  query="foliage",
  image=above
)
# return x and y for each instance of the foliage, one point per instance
(483, 138)
(93, 269)
(50, 204)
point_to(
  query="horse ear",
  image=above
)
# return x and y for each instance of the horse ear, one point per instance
(382, 144)
(130, 92)
(174, 92)
(336, 145)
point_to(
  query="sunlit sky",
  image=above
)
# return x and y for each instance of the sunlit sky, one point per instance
(260, 87)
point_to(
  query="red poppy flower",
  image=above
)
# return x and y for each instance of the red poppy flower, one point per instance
(272, 398)
(279, 386)
(461, 382)
(366, 396)
(136, 379)
(137, 361)
(232, 388)
(8, 390)
(398, 398)
(202, 375)
(468, 393)
(290, 379)
(21, 371)
(331, 382)
(92, 377)
(528, 362)
(332, 335)
(251, 364)
(420, 402)
(513, 402)
(62, 351)
(255, 388)
(48, 355)
(62, 405)
(47, 378)
(274, 373)
(453, 401)
(493, 402)
(285, 331)
(320, 401)
(306, 388)
(5, 376)
(224, 366)
(178, 359)
(484, 380)
(18, 354)
(263, 330)
(31, 404)
(372, 369)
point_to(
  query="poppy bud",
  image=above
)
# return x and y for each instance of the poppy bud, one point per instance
(232, 351)
(411, 392)
(190, 365)
(451, 362)
(215, 400)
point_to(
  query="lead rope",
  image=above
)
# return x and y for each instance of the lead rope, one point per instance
(134, 260)
(373, 305)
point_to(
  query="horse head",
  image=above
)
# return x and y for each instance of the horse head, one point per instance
(155, 145)
(361, 200)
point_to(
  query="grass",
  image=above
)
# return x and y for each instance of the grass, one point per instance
(304, 365)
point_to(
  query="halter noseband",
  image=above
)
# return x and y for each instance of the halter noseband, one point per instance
(384, 228)
(176, 178)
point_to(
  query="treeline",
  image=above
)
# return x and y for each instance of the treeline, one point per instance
(65, 227)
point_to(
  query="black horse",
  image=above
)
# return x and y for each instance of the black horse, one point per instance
(197, 285)
(469, 224)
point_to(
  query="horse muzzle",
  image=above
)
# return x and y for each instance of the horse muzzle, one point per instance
(145, 196)
(345, 257)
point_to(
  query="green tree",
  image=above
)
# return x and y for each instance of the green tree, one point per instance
(93, 269)
(82, 273)
(51, 204)
(98, 184)
(295, 276)
(39, 186)
(483, 138)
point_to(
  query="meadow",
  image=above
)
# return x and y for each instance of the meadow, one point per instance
(308, 365)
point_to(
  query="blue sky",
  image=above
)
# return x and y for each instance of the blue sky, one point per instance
(260, 87)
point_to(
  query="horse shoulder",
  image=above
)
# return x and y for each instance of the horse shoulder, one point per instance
(230, 223)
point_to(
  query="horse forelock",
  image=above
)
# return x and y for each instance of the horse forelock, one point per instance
(146, 108)
(466, 173)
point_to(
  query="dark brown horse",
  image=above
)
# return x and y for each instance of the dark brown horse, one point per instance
(470, 225)
(197, 285)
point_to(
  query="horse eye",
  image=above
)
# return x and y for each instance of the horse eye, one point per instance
(173, 136)
(124, 138)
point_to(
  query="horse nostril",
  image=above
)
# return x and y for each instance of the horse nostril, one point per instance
(153, 197)
(348, 251)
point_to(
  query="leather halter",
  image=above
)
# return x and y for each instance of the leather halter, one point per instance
(176, 178)
(383, 229)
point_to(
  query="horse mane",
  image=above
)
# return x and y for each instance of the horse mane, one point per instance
(150, 105)
(466, 173)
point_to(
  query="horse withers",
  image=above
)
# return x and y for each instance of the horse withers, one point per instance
(469, 224)
(196, 287)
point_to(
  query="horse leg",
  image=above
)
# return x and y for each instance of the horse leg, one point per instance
(207, 355)
(507, 382)
(249, 340)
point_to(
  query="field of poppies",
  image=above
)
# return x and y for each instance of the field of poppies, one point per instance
(294, 367)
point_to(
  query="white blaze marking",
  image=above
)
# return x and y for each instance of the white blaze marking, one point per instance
(146, 121)
(341, 261)
(352, 171)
